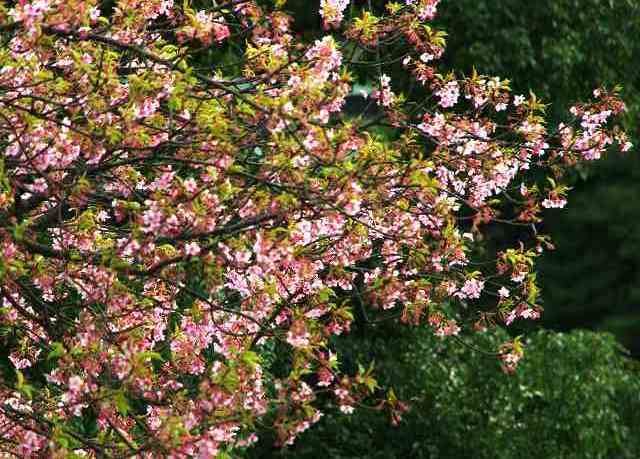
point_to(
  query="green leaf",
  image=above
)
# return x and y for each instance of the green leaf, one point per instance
(122, 404)
(57, 350)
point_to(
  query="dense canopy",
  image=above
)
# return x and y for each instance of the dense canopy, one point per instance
(191, 212)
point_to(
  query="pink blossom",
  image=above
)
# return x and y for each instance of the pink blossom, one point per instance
(19, 362)
(448, 328)
(472, 288)
(518, 100)
(147, 108)
(220, 31)
(449, 94)
(554, 202)
(346, 409)
(297, 336)
(384, 95)
(510, 361)
(39, 185)
(192, 249)
(332, 11)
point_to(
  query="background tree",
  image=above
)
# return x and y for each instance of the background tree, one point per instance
(573, 396)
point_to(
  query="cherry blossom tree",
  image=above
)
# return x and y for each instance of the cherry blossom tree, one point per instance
(183, 238)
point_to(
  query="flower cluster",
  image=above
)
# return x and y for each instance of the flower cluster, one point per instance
(332, 11)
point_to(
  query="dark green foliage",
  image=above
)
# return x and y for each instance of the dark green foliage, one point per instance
(593, 277)
(560, 49)
(574, 396)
